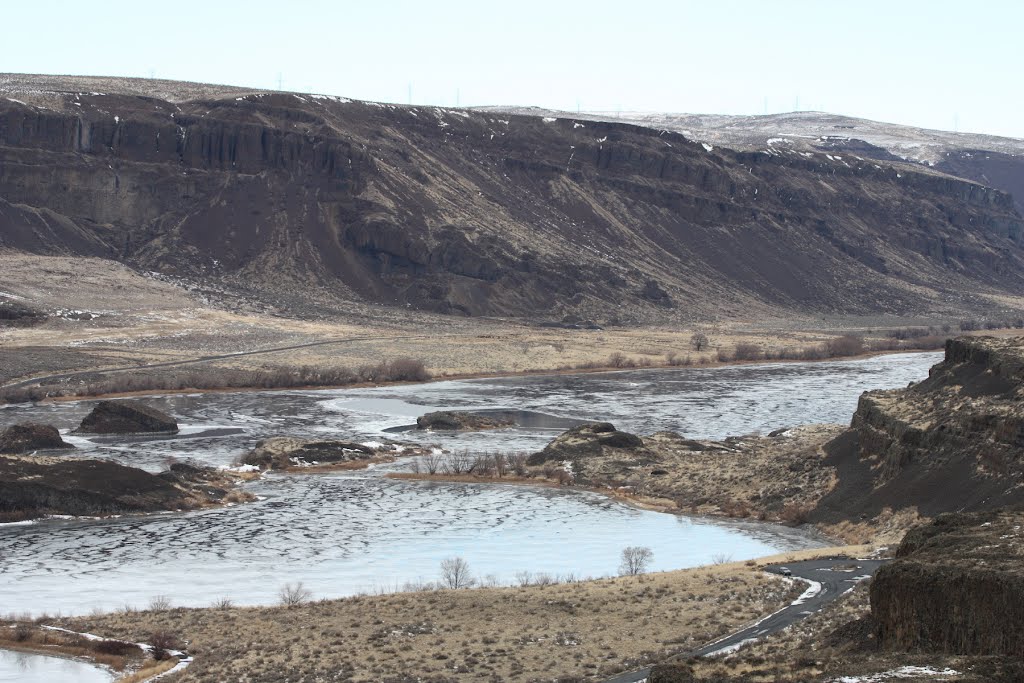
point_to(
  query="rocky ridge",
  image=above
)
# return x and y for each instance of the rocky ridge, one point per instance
(478, 213)
(956, 586)
(952, 442)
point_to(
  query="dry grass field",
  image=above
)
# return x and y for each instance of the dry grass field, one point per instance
(572, 631)
(101, 315)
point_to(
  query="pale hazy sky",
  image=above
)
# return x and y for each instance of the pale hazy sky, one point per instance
(938, 64)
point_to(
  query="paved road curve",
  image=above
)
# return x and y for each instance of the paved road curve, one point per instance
(828, 579)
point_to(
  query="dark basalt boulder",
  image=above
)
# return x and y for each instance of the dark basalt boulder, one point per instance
(284, 452)
(452, 421)
(126, 417)
(36, 486)
(28, 437)
(586, 439)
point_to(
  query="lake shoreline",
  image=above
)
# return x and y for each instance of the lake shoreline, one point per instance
(546, 372)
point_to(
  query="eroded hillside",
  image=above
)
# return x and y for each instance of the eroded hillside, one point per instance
(482, 213)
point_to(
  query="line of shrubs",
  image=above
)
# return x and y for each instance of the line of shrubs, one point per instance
(841, 347)
(398, 370)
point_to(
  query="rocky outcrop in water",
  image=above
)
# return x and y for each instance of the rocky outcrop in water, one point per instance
(36, 486)
(956, 586)
(28, 437)
(586, 440)
(285, 452)
(126, 417)
(481, 213)
(954, 441)
(455, 421)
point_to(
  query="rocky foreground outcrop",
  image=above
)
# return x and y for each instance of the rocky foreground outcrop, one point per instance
(33, 487)
(956, 586)
(456, 421)
(127, 417)
(285, 452)
(29, 437)
(586, 440)
(952, 442)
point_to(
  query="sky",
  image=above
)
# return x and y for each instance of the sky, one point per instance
(938, 64)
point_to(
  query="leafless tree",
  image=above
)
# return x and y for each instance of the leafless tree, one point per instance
(500, 462)
(635, 560)
(455, 573)
(160, 603)
(291, 595)
(459, 462)
(721, 558)
(518, 463)
(432, 461)
(699, 341)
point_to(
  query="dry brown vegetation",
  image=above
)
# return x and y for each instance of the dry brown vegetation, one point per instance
(580, 631)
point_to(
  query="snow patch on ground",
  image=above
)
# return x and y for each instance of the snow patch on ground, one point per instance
(731, 648)
(548, 119)
(239, 468)
(707, 147)
(902, 672)
(812, 590)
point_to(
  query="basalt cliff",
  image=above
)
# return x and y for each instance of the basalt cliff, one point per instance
(953, 442)
(483, 213)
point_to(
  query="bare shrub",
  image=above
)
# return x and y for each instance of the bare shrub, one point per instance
(747, 351)
(847, 345)
(407, 370)
(455, 573)
(458, 462)
(723, 356)
(118, 648)
(163, 642)
(292, 595)
(223, 603)
(160, 603)
(721, 558)
(794, 513)
(969, 325)
(735, 508)
(699, 341)
(524, 578)
(635, 560)
(565, 478)
(432, 461)
(619, 360)
(500, 463)
(543, 579)
(517, 461)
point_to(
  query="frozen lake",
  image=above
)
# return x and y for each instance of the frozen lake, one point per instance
(22, 667)
(349, 532)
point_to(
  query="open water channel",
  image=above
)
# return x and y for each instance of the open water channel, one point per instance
(343, 533)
